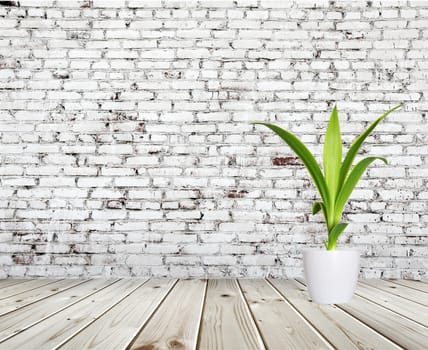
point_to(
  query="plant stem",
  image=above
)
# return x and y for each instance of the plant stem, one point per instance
(331, 246)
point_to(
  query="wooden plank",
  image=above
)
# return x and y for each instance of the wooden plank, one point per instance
(10, 282)
(412, 284)
(55, 329)
(24, 287)
(401, 330)
(23, 299)
(116, 328)
(280, 325)
(406, 308)
(226, 321)
(175, 325)
(19, 320)
(341, 330)
(408, 293)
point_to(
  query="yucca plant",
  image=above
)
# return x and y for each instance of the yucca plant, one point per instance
(339, 180)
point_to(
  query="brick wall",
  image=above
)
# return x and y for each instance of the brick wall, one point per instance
(126, 147)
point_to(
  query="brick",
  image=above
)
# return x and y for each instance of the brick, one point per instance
(259, 260)
(167, 226)
(144, 3)
(94, 181)
(143, 260)
(82, 85)
(108, 3)
(127, 147)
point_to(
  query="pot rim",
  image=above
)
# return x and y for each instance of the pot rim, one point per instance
(321, 250)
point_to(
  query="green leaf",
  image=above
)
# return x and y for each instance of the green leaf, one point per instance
(334, 234)
(351, 182)
(319, 206)
(338, 181)
(356, 145)
(316, 207)
(305, 156)
(332, 154)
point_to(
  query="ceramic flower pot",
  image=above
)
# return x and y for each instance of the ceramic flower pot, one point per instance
(331, 275)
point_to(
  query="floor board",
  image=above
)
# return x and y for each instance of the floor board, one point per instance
(23, 318)
(175, 325)
(399, 305)
(23, 287)
(117, 328)
(227, 322)
(279, 323)
(10, 282)
(402, 291)
(71, 320)
(26, 298)
(341, 329)
(216, 314)
(422, 286)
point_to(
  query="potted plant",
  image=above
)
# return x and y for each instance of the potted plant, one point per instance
(331, 275)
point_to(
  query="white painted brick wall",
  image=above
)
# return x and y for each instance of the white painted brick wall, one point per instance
(127, 149)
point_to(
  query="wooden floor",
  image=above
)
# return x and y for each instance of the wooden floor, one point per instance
(215, 314)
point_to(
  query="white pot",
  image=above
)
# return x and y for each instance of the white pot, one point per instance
(331, 275)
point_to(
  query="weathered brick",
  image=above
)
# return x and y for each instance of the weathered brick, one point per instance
(129, 122)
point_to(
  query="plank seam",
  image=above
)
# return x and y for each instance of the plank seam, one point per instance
(315, 329)
(365, 284)
(197, 342)
(395, 312)
(405, 285)
(149, 316)
(12, 281)
(252, 318)
(55, 312)
(45, 297)
(29, 290)
(98, 316)
(360, 321)
(368, 326)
